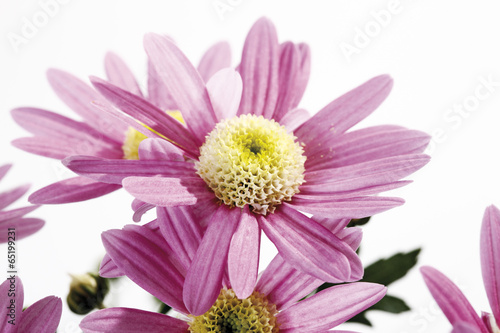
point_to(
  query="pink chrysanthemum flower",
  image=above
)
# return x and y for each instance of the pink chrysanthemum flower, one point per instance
(13, 220)
(272, 306)
(42, 316)
(237, 149)
(99, 134)
(452, 301)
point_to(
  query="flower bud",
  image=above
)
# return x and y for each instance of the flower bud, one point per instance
(86, 292)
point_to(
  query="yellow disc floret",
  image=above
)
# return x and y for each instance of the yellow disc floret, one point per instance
(249, 160)
(230, 314)
(133, 138)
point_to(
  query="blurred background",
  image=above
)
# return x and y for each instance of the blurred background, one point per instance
(444, 57)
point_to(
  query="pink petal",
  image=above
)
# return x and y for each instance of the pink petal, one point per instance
(305, 70)
(108, 268)
(346, 111)
(308, 246)
(294, 118)
(353, 208)
(146, 259)
(157, 93)
(216, 58)
(204, 278)
(146, 113)
(120, 74)
(463, 327)
(179, 227)
(183, 83)
(13, 214)
(224, 89)
(43, 316)
(168, 192)
(140, 208)
(4, 169)
(490, 257)
(78, 96)
(289, 72)
(450, 299)
(114, 171)
(364, 145)
(71, 190)
(127, 320)
(24, 227)
(158, 149)
(8, 197)
(330, 307)
(259, 70)
(17, 289)
(243, 256)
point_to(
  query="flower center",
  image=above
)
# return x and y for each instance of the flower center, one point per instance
(249, 160)
(230, 314)
(133, 138)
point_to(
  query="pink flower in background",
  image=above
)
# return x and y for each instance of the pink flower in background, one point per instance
(42, 316)
(452, 301)
(99, 134)
(14, 218)
(159, 268)
(237, 149)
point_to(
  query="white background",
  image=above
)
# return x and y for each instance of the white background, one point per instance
(437, 53)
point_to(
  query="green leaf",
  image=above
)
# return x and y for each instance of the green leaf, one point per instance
(360, 318)
(386, 271)
(358, 222)
(391, 304)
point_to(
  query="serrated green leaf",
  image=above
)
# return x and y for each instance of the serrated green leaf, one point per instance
(386, 271)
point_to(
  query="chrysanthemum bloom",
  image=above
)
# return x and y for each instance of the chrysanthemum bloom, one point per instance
(273, 306)
(42, 316)
(452, 301)
(241, 163)
(14, 218)
(99, 134)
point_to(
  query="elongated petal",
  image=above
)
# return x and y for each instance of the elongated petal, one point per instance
(147, 260)
(12, 291)
(157, 93)
(354, 208)
(120, 74)
(43, 316)
(307, 245)
(462, 327)
(24, 227)
(364, 145)
(304, 70)
(8, 197)
(168, 192)
(490, 257)
(346, 111)
(183, 83)
(210, 261)
(71, 190)
(224, 89)
(216, 58)
(14, 214)
(148, 114)
(179, 227)
(114, 171)
(294, 119)
(259, 70)
(131, 321)
(158, 149)
(243, 256)
(140, 208)
(450, 299)
(78, 96)
(4, 169)
(108, 268)
(330, 307)
(289, 71)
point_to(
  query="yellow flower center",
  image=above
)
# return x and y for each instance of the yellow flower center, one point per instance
(249, 160)
(230, 314)
(133, 138)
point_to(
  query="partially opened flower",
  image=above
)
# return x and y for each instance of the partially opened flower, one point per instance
(238, 159)
(99, 134)
(452, 301)
(42, 316)
(13, 223)
(272, 306)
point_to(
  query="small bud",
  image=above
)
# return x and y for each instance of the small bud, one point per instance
(86, 293)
